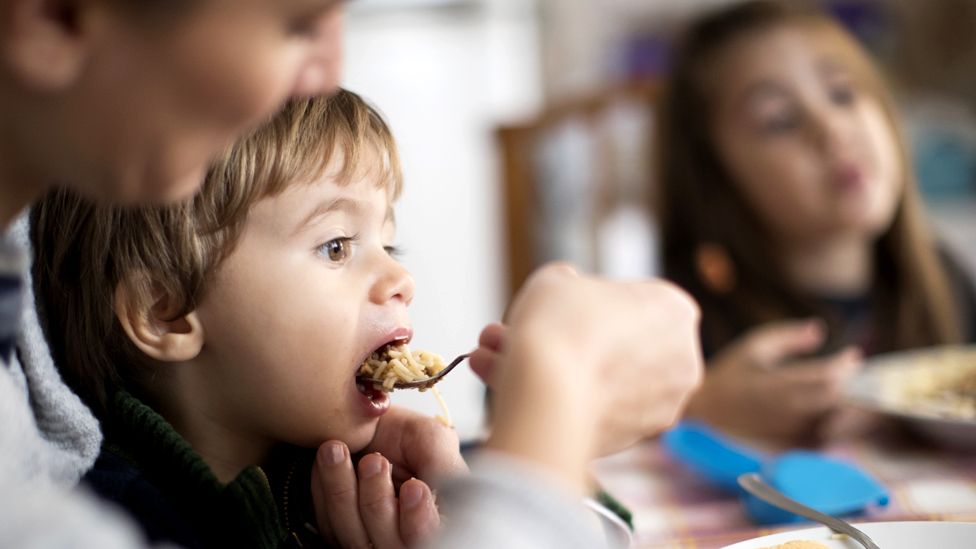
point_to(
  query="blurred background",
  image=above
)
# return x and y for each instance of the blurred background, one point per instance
(525, 129)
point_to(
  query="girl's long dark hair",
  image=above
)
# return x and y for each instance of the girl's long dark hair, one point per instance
(699, 207)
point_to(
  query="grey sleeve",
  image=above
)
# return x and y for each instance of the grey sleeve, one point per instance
(508, 503)
(43, 516)
(38, 510)
(54, 435)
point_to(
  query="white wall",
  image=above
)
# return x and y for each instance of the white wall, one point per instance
(581, 37)
(443, 78)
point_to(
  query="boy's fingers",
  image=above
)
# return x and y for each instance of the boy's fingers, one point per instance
(418, 513)
(338, 485)
(377, 502)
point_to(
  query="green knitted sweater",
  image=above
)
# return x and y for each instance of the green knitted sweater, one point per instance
(148, 468)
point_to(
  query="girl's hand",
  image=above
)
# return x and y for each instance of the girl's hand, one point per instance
(359, 506)
(757, 386)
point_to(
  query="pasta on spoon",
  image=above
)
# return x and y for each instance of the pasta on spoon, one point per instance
(395, 366)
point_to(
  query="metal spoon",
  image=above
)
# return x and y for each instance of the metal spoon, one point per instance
(422, 384)
(754, 484)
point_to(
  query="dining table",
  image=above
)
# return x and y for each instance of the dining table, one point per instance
(674, 507)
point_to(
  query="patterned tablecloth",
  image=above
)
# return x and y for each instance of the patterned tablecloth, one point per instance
(673, 507)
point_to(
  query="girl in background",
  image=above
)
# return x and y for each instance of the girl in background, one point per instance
(789, 212)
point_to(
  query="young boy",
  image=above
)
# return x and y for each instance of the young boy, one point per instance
(218, 339)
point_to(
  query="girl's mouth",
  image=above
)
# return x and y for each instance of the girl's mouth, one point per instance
(849, 178)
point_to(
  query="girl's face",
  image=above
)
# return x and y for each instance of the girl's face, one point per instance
(808, 146)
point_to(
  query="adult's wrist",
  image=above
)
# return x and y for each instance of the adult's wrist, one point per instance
(545, 415)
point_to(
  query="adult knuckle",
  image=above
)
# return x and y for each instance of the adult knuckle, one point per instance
(684, 302)
(695, 375)
(339, 491)
(432, 433)
(681, 306)
(551, 273)
(373, 503)
(560, 268)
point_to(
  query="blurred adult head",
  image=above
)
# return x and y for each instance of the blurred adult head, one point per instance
(128, 100)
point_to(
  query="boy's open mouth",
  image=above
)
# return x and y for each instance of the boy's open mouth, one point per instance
(372, 391)
(394, 365)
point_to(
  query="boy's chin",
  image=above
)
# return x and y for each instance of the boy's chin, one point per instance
(361, 438)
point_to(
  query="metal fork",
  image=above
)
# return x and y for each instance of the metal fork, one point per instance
(422, 384)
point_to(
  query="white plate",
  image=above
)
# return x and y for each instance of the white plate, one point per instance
(888, 535)
(867, 390)
(617, 532)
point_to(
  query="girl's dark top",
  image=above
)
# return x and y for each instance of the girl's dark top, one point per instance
(849, 317)
(150, 470)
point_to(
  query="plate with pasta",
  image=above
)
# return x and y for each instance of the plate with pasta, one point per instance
(932, 389)
(889, 535)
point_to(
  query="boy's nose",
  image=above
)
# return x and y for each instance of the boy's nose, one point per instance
(395, 284)
(323, 68)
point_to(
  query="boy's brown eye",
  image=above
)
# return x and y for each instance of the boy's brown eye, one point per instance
(336, 249)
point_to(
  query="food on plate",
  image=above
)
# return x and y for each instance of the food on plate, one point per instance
(942, 385)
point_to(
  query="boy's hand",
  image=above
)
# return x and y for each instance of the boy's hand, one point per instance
(359, 507)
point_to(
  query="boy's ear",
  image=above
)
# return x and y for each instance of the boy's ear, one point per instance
(154, 329)
(44, 43)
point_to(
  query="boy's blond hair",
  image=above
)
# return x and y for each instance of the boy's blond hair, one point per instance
(84, 251)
